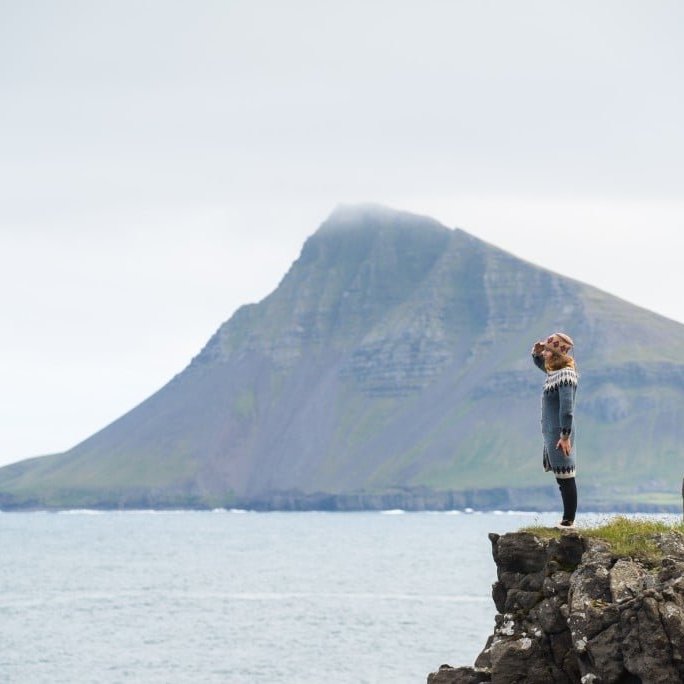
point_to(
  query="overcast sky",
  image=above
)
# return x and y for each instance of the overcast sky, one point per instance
(161, 163)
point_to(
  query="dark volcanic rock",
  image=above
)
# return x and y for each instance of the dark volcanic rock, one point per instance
(569, 611)
(457, 675)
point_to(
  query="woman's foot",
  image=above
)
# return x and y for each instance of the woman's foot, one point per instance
(566, 524)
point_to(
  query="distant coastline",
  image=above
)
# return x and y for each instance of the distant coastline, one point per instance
(534, 499)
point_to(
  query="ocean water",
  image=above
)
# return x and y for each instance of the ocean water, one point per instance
(242, 597)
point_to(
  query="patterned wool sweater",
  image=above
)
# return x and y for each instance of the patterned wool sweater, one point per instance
(558, 400)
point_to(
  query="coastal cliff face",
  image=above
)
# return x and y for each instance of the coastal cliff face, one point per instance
(571, 611)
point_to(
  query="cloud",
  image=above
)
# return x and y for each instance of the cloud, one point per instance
(162, 163)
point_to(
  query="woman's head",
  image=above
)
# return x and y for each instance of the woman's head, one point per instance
(557, 352)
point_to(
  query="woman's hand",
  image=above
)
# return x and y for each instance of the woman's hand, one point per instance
(565, 445)
(538, 348)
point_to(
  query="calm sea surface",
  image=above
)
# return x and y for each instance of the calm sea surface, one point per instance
(283, 598)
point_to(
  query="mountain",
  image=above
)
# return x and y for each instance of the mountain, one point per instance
(390, 367)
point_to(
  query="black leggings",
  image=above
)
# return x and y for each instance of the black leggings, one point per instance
(568, 490)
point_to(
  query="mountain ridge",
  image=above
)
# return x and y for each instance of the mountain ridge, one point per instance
(392, 357)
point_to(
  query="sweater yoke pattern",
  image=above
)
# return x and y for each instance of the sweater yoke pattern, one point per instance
(556, 379)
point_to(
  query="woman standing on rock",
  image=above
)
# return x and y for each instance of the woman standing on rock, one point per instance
(557, 419)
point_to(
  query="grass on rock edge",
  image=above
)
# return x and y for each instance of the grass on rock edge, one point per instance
(627, 537)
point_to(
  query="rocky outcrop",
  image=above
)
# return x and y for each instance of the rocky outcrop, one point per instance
(569, 610)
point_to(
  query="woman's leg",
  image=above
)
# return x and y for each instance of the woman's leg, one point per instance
(568, 490)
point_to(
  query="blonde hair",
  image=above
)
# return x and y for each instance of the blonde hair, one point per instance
(558, 361)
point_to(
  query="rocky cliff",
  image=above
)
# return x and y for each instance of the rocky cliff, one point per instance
(570, 610)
